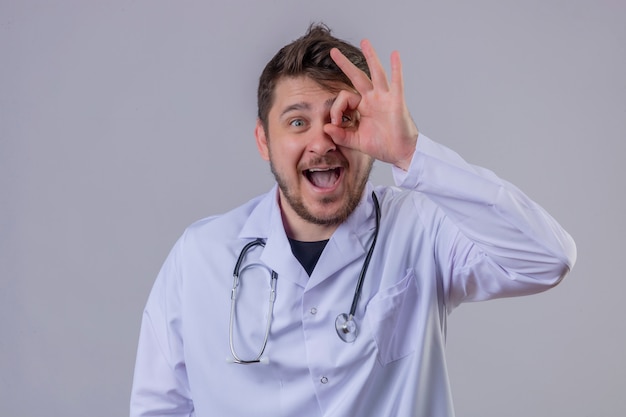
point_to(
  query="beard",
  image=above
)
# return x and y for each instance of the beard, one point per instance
(351, 200)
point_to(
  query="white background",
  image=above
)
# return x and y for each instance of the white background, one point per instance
(121, 122)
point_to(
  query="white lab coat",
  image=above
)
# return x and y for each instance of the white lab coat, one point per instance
(450, 233)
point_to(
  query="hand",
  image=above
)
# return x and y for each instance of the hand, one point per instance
(381, 124)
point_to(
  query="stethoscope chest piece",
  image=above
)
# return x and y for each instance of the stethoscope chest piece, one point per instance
(346, 328)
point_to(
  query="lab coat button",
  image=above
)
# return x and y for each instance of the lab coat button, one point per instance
(324, 380)
(313, 310)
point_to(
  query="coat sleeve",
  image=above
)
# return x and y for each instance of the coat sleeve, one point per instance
(494, 241)
(160, 385)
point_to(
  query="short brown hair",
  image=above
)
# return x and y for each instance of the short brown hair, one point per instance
(308, 56)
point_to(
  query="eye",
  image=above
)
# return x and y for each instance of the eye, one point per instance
(346, 120)
(297, 123)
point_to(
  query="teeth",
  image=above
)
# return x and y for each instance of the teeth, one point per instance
(322, 177)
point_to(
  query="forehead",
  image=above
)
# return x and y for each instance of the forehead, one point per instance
(303, 90)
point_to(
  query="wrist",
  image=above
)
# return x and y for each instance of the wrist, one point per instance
(405, 162)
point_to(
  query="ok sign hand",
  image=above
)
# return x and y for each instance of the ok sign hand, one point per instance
(382, 126)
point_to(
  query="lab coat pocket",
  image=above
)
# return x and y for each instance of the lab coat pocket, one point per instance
(392, 316)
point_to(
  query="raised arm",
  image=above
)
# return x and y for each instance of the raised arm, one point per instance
(519, 246)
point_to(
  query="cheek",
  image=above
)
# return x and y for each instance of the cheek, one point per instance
(357, 160)
(286, 152)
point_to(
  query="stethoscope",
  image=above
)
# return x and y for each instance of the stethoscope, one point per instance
(345, 325)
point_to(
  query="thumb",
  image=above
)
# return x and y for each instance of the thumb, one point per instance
(340, 135)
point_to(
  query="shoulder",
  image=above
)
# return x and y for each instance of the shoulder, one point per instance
(403, 206)
(396, 199)
(225, 226)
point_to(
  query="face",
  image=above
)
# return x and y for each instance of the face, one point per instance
(320, 183)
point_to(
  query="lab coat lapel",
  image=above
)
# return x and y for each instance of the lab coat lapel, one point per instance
(265, 222)
(349, 242)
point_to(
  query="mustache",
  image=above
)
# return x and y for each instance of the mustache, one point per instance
(326, 160)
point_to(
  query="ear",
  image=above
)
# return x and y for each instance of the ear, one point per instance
(261, 140)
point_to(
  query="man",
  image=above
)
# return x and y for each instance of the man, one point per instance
(340, 299)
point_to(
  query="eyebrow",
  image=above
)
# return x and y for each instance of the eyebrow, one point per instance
(303, 105)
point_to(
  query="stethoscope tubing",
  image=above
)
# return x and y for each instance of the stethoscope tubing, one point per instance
(366, 263)
(345, 324)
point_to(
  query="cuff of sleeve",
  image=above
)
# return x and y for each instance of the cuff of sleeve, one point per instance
(410, 179)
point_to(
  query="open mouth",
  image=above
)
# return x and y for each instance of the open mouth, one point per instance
(323, 177)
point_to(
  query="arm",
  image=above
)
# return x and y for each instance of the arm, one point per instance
(491, 230)
(160, 386)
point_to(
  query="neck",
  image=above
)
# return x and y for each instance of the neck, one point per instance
(303, 230)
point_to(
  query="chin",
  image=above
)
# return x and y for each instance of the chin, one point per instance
(330, 212)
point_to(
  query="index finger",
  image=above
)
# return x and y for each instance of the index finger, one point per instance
(379, 77)
(359, 79)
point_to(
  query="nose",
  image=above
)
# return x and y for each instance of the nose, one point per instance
(320, 143)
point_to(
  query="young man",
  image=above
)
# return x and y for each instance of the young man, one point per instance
(342, 289)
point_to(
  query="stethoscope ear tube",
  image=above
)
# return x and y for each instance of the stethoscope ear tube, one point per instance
(233, 297)
(242, 254)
